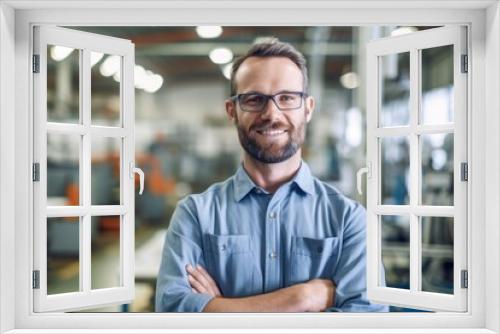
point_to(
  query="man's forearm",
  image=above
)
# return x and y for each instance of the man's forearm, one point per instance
(290, 299)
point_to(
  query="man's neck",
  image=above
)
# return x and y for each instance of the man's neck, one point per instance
(271, 176)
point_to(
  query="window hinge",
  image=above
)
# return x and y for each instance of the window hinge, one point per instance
(464, 279)
(36, 63)
(464, 171)
(465, 66)
(36, 172)
(36, 279)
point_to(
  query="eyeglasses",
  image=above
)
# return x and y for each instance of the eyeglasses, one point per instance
(256, 102)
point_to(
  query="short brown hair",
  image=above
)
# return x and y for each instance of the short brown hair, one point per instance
(271, 47)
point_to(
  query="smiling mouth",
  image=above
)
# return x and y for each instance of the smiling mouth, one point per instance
(271, 133)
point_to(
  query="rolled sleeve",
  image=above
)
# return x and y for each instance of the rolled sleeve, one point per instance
(350, 275)
(182, 246)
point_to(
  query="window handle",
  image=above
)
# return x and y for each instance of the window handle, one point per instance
(134, 170)
(365, 170)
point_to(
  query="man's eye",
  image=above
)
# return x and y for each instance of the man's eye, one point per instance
(252, 99)
(287, 97)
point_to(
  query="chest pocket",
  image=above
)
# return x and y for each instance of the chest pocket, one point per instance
(232, 264)
(312, 258)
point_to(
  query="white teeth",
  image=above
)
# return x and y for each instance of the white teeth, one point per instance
(272, 132)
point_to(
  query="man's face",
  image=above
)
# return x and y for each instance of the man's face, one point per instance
(272, 135)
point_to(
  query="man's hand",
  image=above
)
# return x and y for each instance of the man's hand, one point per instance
(319, 294)
(201, 281)
(313, 296)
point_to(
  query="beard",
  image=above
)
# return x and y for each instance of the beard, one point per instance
(272, 152)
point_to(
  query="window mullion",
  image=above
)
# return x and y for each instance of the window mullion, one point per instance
(414, 172)
(85, 236)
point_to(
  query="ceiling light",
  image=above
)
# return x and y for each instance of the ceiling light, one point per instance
(155, 81)
(221, 55)
(226, 71)
(58, 53)
(140, 77)
(209, 31)
(95, 57)
(403, 31)
(110, 66)
(350, 80)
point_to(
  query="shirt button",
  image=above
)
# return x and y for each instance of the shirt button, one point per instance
(273, 255)
(272, 215)
(223, 247)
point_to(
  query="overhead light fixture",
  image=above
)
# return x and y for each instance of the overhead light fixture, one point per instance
(110, 66)
(58, 53)
(117, 76)
(350, 80)
(403, 31)
(221, 55)
(226, 71)
(140, 77)
(95, 57)
(154, 82)
(209, 31)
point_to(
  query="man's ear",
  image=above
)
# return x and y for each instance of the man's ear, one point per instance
(231, 110)
(310, 104)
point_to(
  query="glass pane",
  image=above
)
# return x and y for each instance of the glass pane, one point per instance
(106, 170)
(437, 254)
(396, 250)
(395, 89)
(105, 258)
(395, 169)
(63, 169)
(437, 169)
(63, 82)
(437, 85)
(105, 89)
(63, 254)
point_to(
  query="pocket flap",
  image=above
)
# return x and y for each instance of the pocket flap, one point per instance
(313, 247)
(229, 244)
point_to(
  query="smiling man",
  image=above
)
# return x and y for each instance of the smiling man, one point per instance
(272, 238)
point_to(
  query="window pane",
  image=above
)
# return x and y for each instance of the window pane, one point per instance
(396, 250)
(105, 89)
(106, 171)
(105, 258)
(437, 169)
(437, 254)
(395, 89)
(437, 85)
(63, 169)
(63, 81)
(63, 252)
(395, 169)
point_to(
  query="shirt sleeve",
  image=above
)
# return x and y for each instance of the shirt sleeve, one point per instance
(350, 275)
(182, 246)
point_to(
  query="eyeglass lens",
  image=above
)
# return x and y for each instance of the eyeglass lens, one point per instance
(256, 102)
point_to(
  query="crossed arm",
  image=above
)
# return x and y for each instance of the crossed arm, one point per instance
(313, 296)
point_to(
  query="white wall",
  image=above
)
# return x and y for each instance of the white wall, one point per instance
(7, 175)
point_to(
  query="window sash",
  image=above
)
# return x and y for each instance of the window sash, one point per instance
(85, 297)
(414, 297)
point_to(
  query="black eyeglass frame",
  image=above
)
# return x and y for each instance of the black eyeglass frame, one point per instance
(238, 97)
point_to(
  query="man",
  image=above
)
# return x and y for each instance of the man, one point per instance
(272, 238)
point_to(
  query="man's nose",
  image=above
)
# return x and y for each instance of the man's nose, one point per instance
(271, 110)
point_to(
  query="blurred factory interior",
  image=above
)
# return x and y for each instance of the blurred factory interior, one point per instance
(184, 142)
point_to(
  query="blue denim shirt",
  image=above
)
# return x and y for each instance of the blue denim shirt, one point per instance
(253, 242)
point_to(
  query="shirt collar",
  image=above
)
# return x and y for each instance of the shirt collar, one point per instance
(243, 184)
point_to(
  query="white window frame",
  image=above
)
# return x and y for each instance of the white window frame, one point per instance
(16, 20)
(412, 44)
